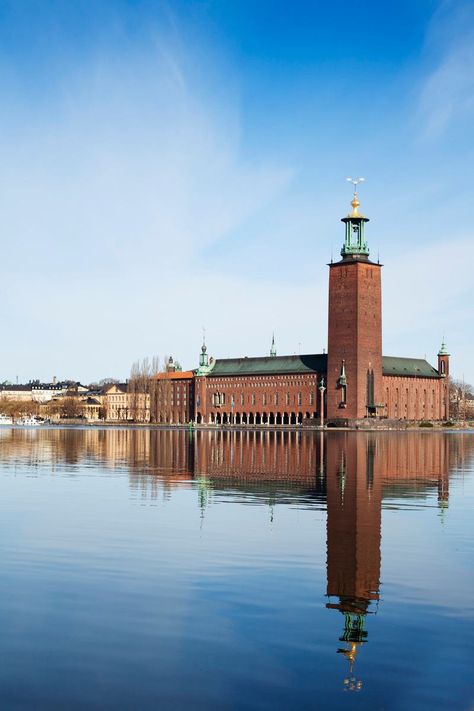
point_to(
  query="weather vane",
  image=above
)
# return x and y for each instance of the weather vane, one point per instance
(355, 182)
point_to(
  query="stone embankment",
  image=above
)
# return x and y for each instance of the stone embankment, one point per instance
(362, 425)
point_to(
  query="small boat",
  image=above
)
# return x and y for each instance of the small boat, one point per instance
(5, 420)
(28, 422)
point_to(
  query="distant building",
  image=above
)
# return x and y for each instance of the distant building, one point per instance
(116, 402)
(40, 392)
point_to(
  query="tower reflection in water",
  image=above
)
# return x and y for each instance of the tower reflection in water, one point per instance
(360, 472)
(354, 504)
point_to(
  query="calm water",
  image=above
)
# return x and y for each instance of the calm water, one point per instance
(159, 570)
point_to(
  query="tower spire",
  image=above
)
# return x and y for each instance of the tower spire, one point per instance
(355, 245)
(273, 351)
(203, 358)
(443, 351)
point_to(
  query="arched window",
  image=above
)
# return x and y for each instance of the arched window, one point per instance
(343, 394)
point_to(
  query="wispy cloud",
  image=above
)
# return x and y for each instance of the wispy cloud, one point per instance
(448, 91)
(110, 196)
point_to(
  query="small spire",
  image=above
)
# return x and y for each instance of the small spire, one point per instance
(342, 380)
(443, 351)
(273, 351)
(203, 358)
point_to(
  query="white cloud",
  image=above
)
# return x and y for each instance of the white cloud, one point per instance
(428, 295)
(448, 91)
(109, 198)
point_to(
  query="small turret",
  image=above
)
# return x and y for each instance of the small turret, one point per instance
(355, 246)
(443, 360)
(206, 364)
(203, 358)
(273, 350)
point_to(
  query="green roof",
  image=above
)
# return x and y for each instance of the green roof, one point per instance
(315, 363)
(412, 367)
(272, 365)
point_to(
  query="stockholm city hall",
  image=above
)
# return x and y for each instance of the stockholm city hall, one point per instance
(349, 385)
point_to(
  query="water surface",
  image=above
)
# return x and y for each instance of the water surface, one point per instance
(157, 569)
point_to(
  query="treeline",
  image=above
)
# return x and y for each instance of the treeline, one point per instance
(149, 396)
(64, 407)
(461, 400)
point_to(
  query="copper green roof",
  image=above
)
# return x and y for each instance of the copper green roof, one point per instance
(273, 365)
(443, 350)
(315, 363)
(414, 367)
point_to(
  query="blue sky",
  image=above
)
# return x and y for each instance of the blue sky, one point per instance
(168, 166)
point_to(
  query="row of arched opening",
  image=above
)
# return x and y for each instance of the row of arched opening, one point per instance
(256, 418)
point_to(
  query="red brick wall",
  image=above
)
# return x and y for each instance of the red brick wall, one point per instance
(354, 335)
(172, 400)
(415, 398)
(258, 399)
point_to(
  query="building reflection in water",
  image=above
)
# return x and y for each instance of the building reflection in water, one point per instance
(360, 472)
(354, 507)
(352, 473)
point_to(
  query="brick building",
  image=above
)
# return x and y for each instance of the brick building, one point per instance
(172, 397)
(278, 390)
(358, 382)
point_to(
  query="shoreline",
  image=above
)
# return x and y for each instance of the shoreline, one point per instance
(392, 427)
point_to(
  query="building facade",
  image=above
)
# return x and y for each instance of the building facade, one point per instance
(278, 390)
(172, 397)
(354, 381)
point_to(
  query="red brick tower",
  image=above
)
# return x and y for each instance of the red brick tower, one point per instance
(354, 373)
(443, 370)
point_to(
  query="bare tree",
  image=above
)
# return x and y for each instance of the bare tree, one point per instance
(150, 394)
(19, 408)
(139, 390)
(460, 396)
(160, 408)
(67, 407)
(108, 381)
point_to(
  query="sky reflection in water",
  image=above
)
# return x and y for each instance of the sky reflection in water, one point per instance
(157, 569)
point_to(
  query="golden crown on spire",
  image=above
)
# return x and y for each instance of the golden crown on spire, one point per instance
(355, 200)
(355, 206)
